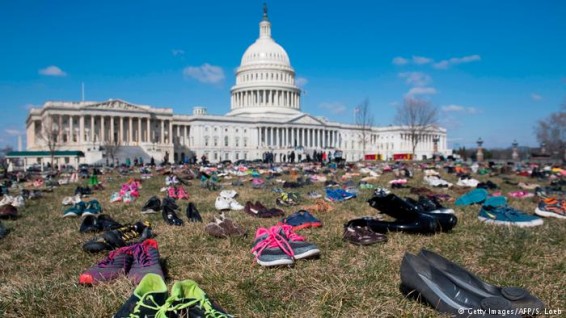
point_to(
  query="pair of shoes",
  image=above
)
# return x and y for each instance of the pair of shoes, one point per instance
(120, 237)
(168, 212)
(135, 261)
(8, 211)
(83, 191)
(153, 205)
(92, 207)
(187, 299)
(17, 201)
(72, 200)
(451, 289)
(477, 195)
(287, 199)
(280, 245)
(224, 203)
(338, 195)
(362, 235)
(314, 195)
(259, 210)
(552, 207)
(423, 216)
(301, 219)
(100, 223)
(224, 227)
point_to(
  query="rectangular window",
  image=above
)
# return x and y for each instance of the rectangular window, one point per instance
(226, 141)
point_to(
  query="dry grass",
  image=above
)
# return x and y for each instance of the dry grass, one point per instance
(41, 259)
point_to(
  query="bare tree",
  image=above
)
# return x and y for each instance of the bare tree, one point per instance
(111, 148)
(552, 131)
(364, 121)
(50, 134)
(419, 117)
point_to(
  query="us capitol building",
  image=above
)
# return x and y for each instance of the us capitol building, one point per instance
(265, 116)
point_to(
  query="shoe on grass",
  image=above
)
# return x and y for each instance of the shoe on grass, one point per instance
(477, 195)
(116, 264)
(170, 216)
(301, 248)
(145, 260)
(271, 248)
(92, 207)
(505, 215)
(75, 211)
(551, 207)
(301, 219)
(362, 235)
(189, 300)
(8, 211)
(147, 300)
(153, 205)
(192, 213)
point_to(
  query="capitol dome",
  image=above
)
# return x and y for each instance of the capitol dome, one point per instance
(265, 81)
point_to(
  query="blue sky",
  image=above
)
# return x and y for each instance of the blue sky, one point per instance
(493, 68)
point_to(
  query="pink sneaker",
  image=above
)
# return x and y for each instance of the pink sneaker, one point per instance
(171, 192)
(271, 248)
(181, 193)
(521, 194)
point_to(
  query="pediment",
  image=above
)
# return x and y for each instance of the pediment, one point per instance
(117, 105)
(306, 119)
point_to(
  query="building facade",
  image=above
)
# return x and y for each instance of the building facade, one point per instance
(265, 116)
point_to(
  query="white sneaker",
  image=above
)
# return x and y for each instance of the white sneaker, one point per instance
(222, 203)
(18, 201)
(234, 205)
(228, 194)
(68, 201)
(7, 199)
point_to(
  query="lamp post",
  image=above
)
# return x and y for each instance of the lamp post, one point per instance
(479, 153)
(515, 155)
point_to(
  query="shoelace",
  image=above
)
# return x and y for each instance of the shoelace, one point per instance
(204, 303)
(161, 310)
(110, 259)
(273, 240)
(290, 233)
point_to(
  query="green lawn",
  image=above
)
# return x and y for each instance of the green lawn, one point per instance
(41, 259)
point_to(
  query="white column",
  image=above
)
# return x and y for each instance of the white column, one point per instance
(148, 128)
(121, 131)
(102, 130)
(111, 139)
(92, 129)
(81, 138)
(130, 131)
(162, 137)
(179, 132)
(170, 132)
(71, 132)
(139, 136)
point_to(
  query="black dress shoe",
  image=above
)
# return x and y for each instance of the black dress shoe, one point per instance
(153, 205)
(394, 206)
(420, 279)
(423, 224)
(89, 224)
(171, 217)
(106, 223)
(192, 213)
(518, 297)
(445, 218)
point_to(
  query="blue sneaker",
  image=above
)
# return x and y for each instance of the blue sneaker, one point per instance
(92, 208)
(301, 219)
(475, 196)
(505, 215)
(495, 201)
(75, 211)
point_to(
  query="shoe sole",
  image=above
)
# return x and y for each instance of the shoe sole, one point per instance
(277, 262)
(90, 213)
(149, 212)
(71, 215)
(509, 223)
(549, 214)
(307, 254)
(307, 225)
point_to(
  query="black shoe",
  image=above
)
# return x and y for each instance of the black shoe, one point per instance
(445, 218)
(90, 224)
(419, 278)
(192, 213)
(106, 223)
(128, 234)
(171, 217)
(170, 203)
(519, 297)
(394, 206)
(424, 224)
(3, 231)
(153, 205)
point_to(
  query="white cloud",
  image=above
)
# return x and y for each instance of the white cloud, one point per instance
(419, 60)
(416, 78)
(205, 73)
(12, 132)
(301, 81)
(333, 107)
(52, 71)
(177, 52)
(421, 91)
(536, 97)
(400, 61)
(459, 108)
(444, 64)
